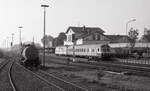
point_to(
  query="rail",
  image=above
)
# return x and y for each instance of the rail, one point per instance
(10, 77)
(66, 82)
(45, 80)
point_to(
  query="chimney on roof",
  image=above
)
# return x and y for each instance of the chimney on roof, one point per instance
(84, 28)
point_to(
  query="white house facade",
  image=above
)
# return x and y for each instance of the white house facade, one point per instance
(69, 40)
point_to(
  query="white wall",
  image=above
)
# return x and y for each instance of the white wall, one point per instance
(70, 33)
(79, 42)
(69, 38)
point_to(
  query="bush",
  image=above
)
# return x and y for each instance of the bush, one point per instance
(100, 74)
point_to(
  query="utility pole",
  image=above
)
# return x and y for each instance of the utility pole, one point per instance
(127, 29)
(20, 27)
(33, 39)
(127, 25)
(12, 39)
(7, 40)
(44, 6)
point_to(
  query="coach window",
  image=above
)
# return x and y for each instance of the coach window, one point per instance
(98, 49)
(87, 50)
(92, 50)
(103, 49)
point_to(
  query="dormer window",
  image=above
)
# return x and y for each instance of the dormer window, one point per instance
(73, 37)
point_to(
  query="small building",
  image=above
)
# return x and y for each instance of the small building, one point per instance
(146, 37)
(146, 31)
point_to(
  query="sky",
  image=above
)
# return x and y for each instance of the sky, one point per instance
(109, 15)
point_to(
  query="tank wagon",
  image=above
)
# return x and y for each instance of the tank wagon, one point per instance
(30, 56)
(89, 51)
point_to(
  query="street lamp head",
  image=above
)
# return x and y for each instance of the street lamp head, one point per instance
(20, 27)
(134, 20)
(44, 5)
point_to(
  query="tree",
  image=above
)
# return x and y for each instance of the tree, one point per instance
(55, 42)
(60, 39)
(146, 36)
(133, 36)
(48, 38)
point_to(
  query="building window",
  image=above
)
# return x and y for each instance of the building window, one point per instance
(97, 37)
(92, 50)
(93, 37)
(87, 50)
(98, 49)
(73, 36)
(69, 37)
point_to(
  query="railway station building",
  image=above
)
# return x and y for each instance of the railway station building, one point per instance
(92, 35)
(85, 35)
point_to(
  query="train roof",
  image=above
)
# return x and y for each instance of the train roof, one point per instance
(91, 44)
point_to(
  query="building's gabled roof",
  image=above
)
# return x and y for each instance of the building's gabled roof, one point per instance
(81, 32)
(118, 38)
(85, 29)
(88, 34)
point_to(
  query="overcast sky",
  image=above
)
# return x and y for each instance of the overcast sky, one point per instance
(110, 15)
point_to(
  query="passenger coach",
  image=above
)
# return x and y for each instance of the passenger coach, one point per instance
(61, 50)
(91, 50)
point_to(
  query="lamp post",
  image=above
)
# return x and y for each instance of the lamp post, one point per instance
(12, 39)
(44, 6)
(20, 27)
(7, 42)
(127, 25)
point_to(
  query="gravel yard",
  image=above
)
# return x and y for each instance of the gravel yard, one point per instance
(106, 81)
(26, 81)
(23, 80)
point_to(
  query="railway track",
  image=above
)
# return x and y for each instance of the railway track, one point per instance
(58, 83)
(10, 77)
(65, 85)
(12, 82)
(54, 87)
(3, 64)
(110, 66)
(8, 63)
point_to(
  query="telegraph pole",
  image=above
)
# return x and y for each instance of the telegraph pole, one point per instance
(127, 25)
(44, 6)
(7, 41)
(20, 27)
(12, 39)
